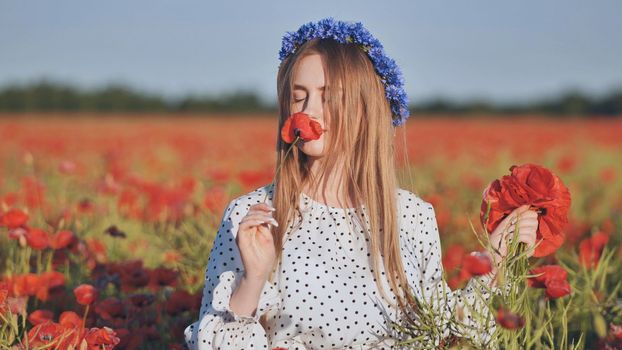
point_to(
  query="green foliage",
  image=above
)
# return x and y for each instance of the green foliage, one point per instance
(54, 96)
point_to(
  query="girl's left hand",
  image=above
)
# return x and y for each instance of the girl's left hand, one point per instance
(527, 223)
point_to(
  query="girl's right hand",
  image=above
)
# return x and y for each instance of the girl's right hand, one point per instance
(258, 261)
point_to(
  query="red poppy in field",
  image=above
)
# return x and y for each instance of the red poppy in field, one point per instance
(33, 191)
(546, 273)
(17, 285)
(40, 316)
(48, 282)
(556, 288)
(567, 163)
(86, 294)
(14, 218)
(162, 277)
(551, 277)
(110, 309)
(30, 284)
(70, 319)
(452, 258)
(37, 239)
(509, 320)
(591, 248)
(96, 250)
(133, 274)
(62, 239)
(300, 124)
(85, 206)
(538, 187)
(215, 199)
(101, 338)
(50, 334)
(180, 301)
(477, 263)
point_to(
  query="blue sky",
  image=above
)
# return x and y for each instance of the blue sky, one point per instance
(499, 50)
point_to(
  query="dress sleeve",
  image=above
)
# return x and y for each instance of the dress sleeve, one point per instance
(452, 311)
(218, 327)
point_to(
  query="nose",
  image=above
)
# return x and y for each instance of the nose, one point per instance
(314, 106)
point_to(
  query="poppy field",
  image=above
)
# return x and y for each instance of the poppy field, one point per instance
(107, 221)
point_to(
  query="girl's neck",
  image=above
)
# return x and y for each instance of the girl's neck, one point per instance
(332, 185)
(331, 197)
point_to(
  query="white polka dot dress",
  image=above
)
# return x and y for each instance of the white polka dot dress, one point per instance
(323, 294)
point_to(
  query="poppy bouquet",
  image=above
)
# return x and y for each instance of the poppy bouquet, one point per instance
(538, 187)
(544, 192)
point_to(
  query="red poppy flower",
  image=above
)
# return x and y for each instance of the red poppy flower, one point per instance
(37, 239)
(215, 199)
(13, 218)
(85, 294)
(453, 257)
(101, 338)
(62, 239)
(47, 334)
(477, 263)
(47, 282)
(551, 277)
(110, 308)
(536, 186)
(31, 284)
(509, 320)
(300, 124)
(70, 319)
(591, 248)
(162, 277)
(546, 273)
(132, 274)
(40, 316)
(180, 301)
(557, 288)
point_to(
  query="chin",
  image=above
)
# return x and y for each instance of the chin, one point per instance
(312, 148)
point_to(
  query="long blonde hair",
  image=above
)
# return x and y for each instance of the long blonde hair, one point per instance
(361, 143)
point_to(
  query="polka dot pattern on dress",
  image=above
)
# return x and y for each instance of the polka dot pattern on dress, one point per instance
(323, 294)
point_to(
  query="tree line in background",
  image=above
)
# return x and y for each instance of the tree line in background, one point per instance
(46, 96)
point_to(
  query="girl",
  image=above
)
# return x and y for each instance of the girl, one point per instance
(335, 230)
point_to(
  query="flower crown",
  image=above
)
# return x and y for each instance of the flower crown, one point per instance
(345, 32)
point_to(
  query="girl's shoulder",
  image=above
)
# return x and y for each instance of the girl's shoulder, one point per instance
(408, 200)
(415, 215)
(253, 197)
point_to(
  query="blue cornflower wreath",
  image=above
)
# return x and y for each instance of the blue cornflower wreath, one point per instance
(345, 32)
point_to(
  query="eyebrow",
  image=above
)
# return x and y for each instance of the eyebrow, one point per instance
(300, 87)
